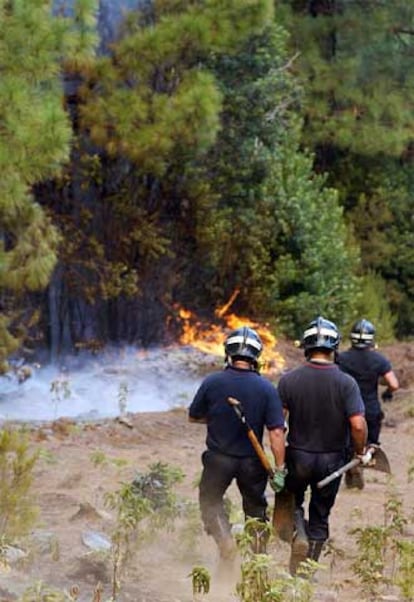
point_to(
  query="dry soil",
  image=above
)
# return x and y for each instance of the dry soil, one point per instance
(69, 489)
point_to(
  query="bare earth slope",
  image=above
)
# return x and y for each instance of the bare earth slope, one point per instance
(70, 489)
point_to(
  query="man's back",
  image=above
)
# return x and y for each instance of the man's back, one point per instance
(261, 405)
(320, 399)
(366, 366)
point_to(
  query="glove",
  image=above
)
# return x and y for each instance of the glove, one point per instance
(387, 395)
(277, 481)
(366, 457)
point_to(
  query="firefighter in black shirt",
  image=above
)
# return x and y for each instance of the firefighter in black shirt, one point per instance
(370, 369)
(324, 408)
(230, 455)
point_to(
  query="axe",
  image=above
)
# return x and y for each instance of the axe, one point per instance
(379, 462)
(284, 501)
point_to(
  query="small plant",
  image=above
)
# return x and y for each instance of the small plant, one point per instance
(156, 487)
(40, 592)
(59, 390)
(17, 511)
(405, 573)
(410, 412)
(47, 456)
(147, 496)
(130, 510)
(410, 469)
(375, 544)
(200, 579)
(333, 553)
(123, 392)
(370, 563)
(99, 458)
(255, 582)
(192, 527)
(3, 550)
(261, 579)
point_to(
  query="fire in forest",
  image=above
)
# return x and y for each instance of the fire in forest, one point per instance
(209, 338)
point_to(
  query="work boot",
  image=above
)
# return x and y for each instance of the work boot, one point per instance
(300, 545)
(315, 549)
(354, 478)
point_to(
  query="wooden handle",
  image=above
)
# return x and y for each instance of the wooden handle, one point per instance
(237, 407)
(260, 452)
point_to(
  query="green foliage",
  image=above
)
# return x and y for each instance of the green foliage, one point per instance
(283, 240)
(261, 579)
(314, 270)
(149, 112)
(200, 579)
(152, 99)
(18, 511)
(405, 574)
(157, 487)
(410, 472)
(257, 93)
(355, 64)
(35, 142)
(370, 564)
(191, 528)
(381, 216)
(373, 305)
(40, 592)
(148, 495)
(376, 543)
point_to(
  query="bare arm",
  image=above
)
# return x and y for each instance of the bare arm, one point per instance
(390, 380)
(277, 445)
(359, 432)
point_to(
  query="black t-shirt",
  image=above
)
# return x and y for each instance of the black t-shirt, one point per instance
(366, 366)
(261, 405)
(320, 399)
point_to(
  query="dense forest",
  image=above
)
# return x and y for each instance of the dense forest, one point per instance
(205, 148)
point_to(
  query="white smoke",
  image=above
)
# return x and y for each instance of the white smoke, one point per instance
(116, 381)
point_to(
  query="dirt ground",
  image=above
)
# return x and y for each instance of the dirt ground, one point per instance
(70, 488)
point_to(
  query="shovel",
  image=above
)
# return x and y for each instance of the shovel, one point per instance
(379, 462)
(284, 501)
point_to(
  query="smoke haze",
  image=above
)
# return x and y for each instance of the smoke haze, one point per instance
(116, 381)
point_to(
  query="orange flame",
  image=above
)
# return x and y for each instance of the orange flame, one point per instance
(209, 338)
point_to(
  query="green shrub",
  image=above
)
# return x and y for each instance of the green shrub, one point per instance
(17, 508)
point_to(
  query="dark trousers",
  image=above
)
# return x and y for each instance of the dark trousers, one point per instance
(219, 471)
(374, 427)
(305, 469)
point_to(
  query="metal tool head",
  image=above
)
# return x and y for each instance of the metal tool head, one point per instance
(283, 514)
(379, 460)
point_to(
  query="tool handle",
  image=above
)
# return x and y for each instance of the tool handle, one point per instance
(335, 475)
(236, 405)
(260, 452)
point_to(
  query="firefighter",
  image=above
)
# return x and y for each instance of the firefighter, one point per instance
(323, 408)
(370, 369)
(230, 455)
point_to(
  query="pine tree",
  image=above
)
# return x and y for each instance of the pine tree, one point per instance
(276, 233)
(149, 111)
(355, 63)
(355, 60)
(34, 143)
